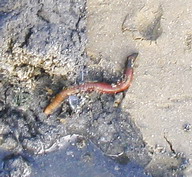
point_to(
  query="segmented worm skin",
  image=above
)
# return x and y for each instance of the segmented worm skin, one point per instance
(101, 87)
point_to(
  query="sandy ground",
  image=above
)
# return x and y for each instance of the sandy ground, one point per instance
(48, 52)
(160, 97)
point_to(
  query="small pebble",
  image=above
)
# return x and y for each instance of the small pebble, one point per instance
(187, 127)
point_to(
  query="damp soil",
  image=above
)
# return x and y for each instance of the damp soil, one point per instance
(31, 139)
(42, 51)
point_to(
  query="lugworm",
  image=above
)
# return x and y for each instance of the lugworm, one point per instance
(101, 87)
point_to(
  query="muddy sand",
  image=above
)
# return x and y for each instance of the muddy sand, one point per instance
(48, 46)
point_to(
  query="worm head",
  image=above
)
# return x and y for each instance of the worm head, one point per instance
(131, 59)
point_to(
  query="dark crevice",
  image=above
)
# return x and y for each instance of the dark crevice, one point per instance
(39, 14)
(170, 144)
(77, 29)
(10, 46)
(27, 37)
(5, 94)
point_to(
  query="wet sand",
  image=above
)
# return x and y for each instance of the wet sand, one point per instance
(160, 98)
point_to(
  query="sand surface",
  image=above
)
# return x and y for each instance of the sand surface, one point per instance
(160, 98)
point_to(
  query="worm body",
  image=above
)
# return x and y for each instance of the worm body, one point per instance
(101, 87)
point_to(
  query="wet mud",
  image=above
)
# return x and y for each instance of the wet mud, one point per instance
(27, 132)
(90, 130)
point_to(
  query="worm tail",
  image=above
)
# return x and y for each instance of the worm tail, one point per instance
(59, 98)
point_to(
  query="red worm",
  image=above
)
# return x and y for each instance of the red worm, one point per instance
(101, 87)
